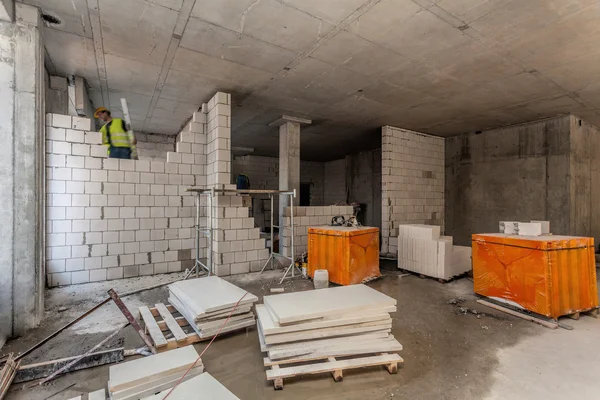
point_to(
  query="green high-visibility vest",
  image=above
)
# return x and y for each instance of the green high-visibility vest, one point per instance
(115, 134)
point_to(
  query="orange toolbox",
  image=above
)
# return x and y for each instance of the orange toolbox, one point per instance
(349, 254)
(548, 275)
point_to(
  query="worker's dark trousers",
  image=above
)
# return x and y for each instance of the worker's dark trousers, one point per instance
(120, 152)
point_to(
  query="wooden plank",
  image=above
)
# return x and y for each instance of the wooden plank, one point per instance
(155, 312)
(181, 321)
(301, 306)
(337, 374)
(391, 346)
(171, 323)
(271, 327)
(332, 366)
(8, 373)
(152, 327)
(518, 314)
(392, 367)
(137, 372)
(329, 332)
(41, 370)
(277, 382)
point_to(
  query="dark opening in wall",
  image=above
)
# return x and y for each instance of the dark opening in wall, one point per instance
(51, 19)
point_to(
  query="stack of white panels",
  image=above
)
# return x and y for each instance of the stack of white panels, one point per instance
(203, 386)
(207, 302)
(134, 380)
(324, 324)
(421, 249)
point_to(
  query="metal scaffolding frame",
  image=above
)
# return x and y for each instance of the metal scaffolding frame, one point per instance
(208, 229)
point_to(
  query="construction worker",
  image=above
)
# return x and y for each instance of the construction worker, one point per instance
(114, 134)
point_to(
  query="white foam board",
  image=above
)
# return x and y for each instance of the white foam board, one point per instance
(209, 294)
(202, 386)
(149, 388)
(374, 326)
(270, 326)
(302, 306)
(136, 372)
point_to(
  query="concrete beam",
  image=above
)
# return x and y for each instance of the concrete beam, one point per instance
(287, 118)
(7, 10)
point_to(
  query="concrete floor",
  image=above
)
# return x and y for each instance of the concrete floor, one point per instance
(448, 354)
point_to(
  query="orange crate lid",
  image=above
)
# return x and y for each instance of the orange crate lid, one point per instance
(342, 230)
(545, 242)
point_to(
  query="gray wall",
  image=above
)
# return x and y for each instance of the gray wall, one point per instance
(363, 178)
(518, 173)
(585, 179)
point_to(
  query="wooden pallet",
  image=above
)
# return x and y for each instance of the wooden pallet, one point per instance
(167, 328)
(330, 364)
(533, 317)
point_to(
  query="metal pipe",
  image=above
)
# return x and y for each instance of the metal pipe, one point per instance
(197, 235)
(209, 256)
(272, 229)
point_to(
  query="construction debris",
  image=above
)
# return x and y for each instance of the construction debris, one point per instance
(8, 374)
(206, 303)
(303, 327)
(35, 371)
(146, 376)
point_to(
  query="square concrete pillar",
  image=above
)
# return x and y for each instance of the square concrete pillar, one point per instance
(289, 159)
(22, 171)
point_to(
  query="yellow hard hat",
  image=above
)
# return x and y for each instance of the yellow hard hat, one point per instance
(99, 110)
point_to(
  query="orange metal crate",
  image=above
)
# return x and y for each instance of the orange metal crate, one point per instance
(548, 275)
(350, 255)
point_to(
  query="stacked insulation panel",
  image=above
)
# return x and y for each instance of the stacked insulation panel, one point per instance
(421, 249)
(302, 327)
(206, 303)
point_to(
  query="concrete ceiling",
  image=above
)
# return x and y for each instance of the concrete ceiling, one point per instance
(443, 67)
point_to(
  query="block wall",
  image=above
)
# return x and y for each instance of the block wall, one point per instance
(111, 219)
(154, 147)
(412, 180)
(263, 173)
(305, 217)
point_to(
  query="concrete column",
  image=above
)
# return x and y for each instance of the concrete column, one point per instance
(28, 173)
(7, 103)
(289, 164)
(289, 159)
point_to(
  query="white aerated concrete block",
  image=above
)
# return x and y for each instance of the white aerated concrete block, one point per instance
(509, 227)
(529, 228)
(545, 226)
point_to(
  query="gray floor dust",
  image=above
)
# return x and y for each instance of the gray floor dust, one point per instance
(449, 354)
